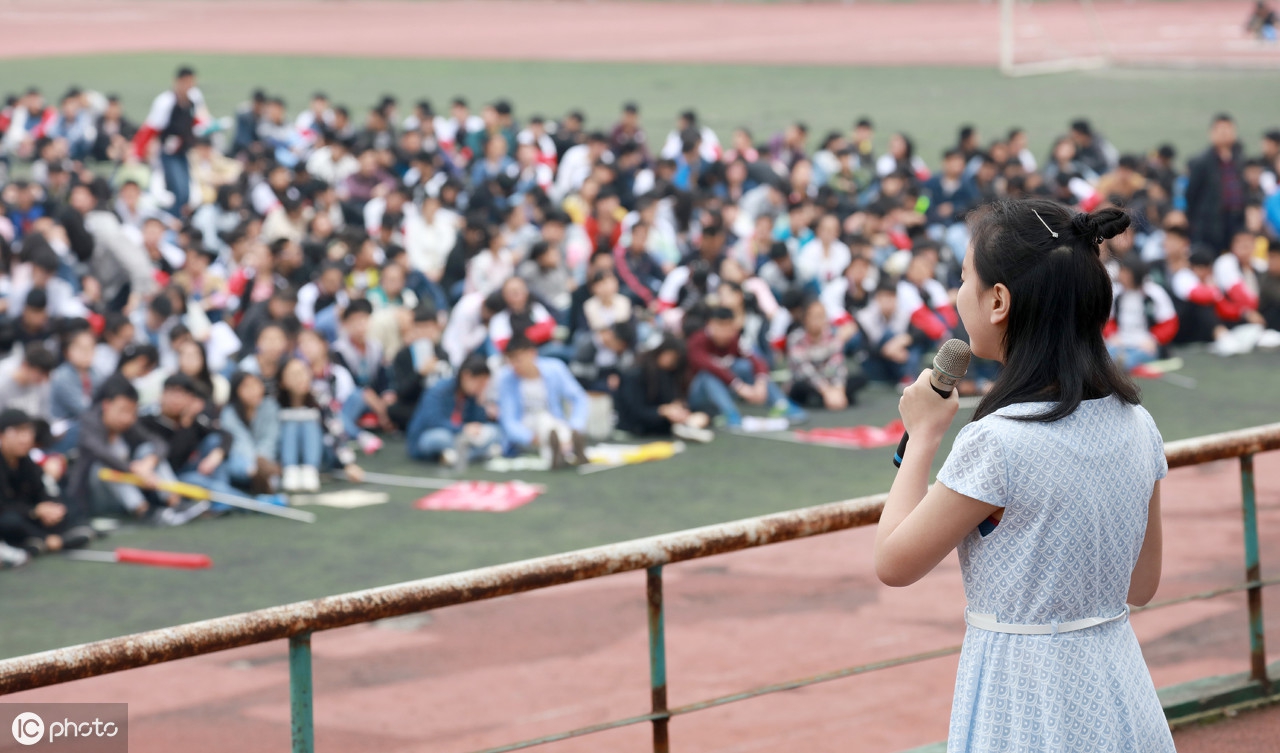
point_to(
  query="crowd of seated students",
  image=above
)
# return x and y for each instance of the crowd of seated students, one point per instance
(247, 309)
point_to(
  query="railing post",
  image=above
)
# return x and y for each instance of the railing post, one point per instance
(300, 693)
(657, 658)
(1253, 574)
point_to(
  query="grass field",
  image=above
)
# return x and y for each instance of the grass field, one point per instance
(262, 562)
(1136, 109)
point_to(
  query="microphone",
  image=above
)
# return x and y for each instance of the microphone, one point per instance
(949, 366)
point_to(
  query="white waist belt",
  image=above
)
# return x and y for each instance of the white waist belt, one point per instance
(989, 622)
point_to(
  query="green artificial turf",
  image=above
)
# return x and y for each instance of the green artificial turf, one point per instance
(261, 562)
(1136, 109)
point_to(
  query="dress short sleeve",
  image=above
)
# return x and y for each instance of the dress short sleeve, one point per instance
(1159, 461)
(976, 465)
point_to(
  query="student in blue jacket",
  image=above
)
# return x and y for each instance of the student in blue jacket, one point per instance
(541, 406)
(449, 422)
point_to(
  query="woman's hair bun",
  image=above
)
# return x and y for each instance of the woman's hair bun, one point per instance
(1100, 225)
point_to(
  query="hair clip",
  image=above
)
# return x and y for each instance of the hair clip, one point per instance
(1042, 222)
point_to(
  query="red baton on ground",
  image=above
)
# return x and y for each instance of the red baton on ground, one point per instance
(125, 556)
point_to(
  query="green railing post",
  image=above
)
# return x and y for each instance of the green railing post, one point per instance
(300, 693)
(657, 658)
(1253, 574)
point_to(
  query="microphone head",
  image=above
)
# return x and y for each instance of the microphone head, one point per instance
(950, 365)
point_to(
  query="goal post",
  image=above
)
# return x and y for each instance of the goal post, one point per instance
(1038, 53)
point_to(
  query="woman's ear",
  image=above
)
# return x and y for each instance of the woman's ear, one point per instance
(1000, 303)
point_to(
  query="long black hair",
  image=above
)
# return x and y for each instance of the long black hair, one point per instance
(235, 403)
(1048, 258)
(653, 373)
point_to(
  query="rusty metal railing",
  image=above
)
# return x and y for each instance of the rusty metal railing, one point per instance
(296, 622)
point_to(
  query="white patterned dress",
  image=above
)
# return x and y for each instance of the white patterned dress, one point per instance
(1075, 494)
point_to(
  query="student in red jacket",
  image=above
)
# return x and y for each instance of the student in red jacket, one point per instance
(722, 374)
(925, 303)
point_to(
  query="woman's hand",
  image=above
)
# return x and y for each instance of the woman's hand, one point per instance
(925, 413)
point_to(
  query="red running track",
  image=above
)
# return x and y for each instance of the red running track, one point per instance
(935, 33)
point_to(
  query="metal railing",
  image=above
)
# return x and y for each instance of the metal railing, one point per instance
(296, 622)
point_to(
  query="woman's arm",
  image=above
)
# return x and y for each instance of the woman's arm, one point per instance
(1146, 573)
(919, 526)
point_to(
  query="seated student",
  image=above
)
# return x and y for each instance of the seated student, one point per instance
(1236, 277)
(29, 516)
(606, 306)
(198, 447)
(532, 393)
(61, 300)
(323, 294)
(72, 384)
(301, 431)
(824, 258)
(548, 279)
(652, 396)
(600, 360)
(1200, 305)
(194, 363)
(450, 423)
(253, 420)
(639, 272)
(24, 382)
(815, 356)
(331, 386)
(110, 437)
(721, 372)
(467, 330)
(117, 332)
(748, 311)
(921, 297)
(1143, 320)
(278, 308)
(362, 356)
(518, 312)
(138, 364)
(1204, 311)
(418, 365)
(849, 294)
(269, 352)
(392, 290)
(883, 333)
(33, 327)
(779, 271)
(152, 323)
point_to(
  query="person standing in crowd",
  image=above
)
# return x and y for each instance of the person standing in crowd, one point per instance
(175, 116)
(1215, 187)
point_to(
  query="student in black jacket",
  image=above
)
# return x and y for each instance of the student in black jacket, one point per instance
(652, 397)
(111, 437)
(418, 365)
(30, 518)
